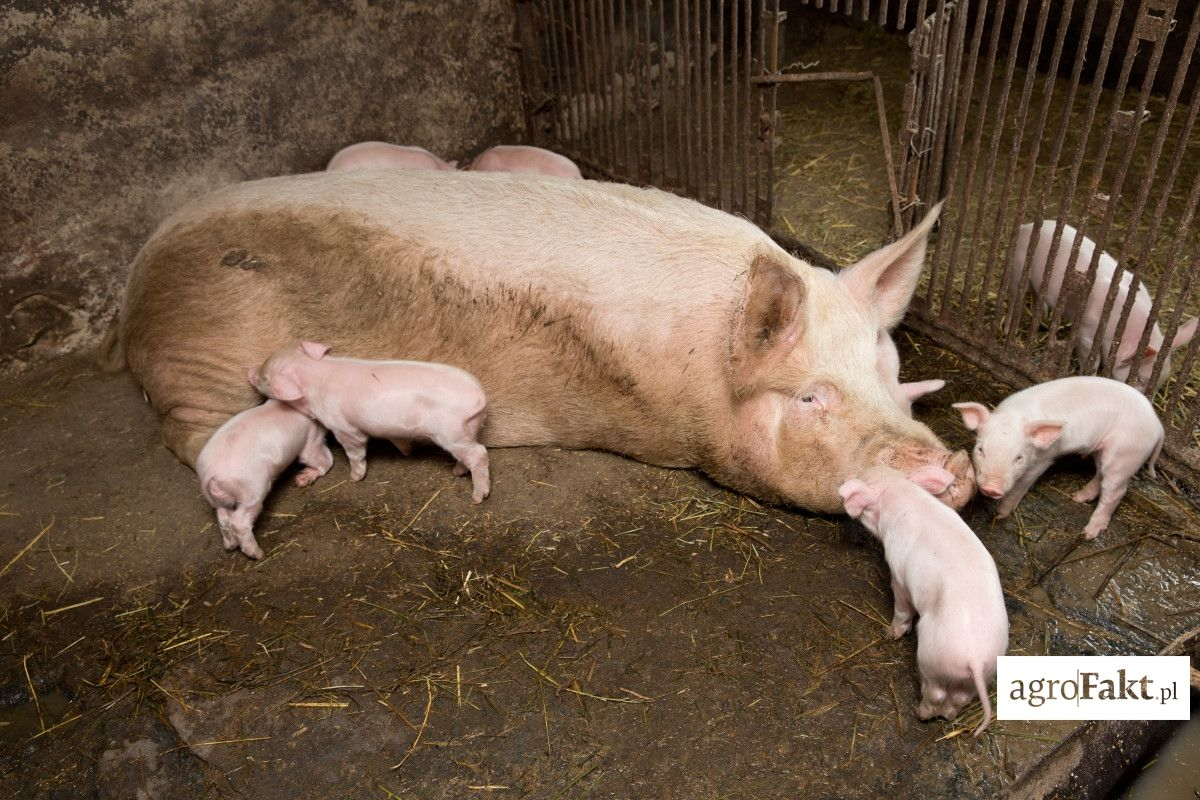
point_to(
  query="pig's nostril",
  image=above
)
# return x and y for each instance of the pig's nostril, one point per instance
(991, 490)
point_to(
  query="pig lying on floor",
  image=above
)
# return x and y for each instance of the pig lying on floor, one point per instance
(595, 315)
(942, 574)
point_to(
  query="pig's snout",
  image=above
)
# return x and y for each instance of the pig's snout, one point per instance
(957, 463)
(992, 489)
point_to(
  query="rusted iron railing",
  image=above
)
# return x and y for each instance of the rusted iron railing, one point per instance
(1016, 111)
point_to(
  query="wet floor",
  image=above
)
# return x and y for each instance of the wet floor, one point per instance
(597, 628)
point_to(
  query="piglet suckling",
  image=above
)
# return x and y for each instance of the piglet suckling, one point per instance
(943, 575)
(401, 401)
(522, 158)
(1083, 415)
(242, 459)
(887, 363)
(1107, 270)
(381, 155)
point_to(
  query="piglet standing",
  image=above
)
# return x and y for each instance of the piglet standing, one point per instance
(944, 575)
(242, 459)
(1084, 415)
(522, 158)
(887, 364)
(401, 401)
(1107, 270)
(381, 155)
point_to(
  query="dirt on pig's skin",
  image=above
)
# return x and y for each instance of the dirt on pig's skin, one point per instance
(598, 627)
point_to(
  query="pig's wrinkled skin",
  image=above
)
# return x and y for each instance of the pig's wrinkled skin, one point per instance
(596, 315)
(887, 362)
(244, 457)
(1026, 433)
(525, 159)
(401, 401)
(942, 574)
(381, 155)
(1089, 324)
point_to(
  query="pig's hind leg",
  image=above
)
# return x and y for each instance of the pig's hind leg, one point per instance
(316, 458)
(902, 615)
(471, 457)
(1114, 473)
(241, 526)
(1090, 491)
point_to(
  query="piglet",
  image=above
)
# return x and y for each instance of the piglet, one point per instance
(887, 364)
(400, 401)
(1016, 443)
(242, 459)
(379, 155)
(942, 574)
(520, 158)
(1107, 271)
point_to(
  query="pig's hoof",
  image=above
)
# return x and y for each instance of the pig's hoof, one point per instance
(253, 550)
(1085, 495)
(460, 469)
(479, 497)
(307, 475)
(1092, 531)
(358, 474)
(897, 631)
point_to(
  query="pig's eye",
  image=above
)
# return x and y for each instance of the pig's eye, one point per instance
(808, 398)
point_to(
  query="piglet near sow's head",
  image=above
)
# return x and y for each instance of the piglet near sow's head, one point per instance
(810, 406)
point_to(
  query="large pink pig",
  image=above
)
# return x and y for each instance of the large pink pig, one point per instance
(400, 401)
(522, 158)
(242, 459)
(596, 315)
(1107, 270)
(1084, 415)
(381, 155)
(942, 574)
(887, 362)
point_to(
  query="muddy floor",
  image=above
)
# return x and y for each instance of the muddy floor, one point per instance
(598, 628)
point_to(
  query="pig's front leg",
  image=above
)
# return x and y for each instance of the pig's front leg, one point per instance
(316, 458)
(355, 445)
(902, 614)
(1017, 492)
(1112, 488)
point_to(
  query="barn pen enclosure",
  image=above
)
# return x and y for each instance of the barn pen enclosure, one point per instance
(646, 585)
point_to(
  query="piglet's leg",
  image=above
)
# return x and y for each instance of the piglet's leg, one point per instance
(1114, 480)
(902, 615)
(316, 458)
(355, 445)
(474, 456)
(1023, 484)
(1090, 491)
(228, 537)
(933, 697)
(241, 525)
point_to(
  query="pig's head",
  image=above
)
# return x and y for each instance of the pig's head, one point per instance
(862, 498)
(281, 376)
(1127, 353)
(810, 406)
(1006, 444)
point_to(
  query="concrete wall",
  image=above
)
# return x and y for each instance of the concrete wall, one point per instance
(115, 111)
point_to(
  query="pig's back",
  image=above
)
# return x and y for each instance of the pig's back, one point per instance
(1092, 406)
(265, 434)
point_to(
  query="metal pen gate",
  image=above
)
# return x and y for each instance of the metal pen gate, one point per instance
(1016, 112)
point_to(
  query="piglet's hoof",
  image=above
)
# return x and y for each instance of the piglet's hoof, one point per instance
(460, 469)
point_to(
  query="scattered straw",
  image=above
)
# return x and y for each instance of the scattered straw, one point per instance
(26, 548)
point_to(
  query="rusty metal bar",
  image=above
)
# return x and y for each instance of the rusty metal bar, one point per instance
(700, 54)
(720, 195)
(680, 159)
(748, 141)
(609, 38)
(664, 148)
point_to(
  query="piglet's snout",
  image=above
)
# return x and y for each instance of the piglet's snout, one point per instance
(991, 488)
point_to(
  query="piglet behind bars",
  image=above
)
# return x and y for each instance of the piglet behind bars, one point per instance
(1107, 271)
(242, 459)
(401, 401)
(1084, 415)
(942, 574)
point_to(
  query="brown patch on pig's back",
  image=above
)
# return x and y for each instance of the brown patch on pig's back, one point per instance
(209, 298)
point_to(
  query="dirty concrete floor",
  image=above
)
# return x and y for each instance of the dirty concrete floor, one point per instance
(597, 628)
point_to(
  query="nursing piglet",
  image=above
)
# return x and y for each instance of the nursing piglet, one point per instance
(1107, 419)
(242, 459)
(400, 401)
(521, 158)
(381, 155)
(887, 363)
(942, 574)
(1107, 270)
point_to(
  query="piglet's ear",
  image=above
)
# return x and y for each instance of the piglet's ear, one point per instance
(973, 414)
(1185, 333)
(285, 388)
(1044, 433)
(932, 478)
(921, 388)
(856, 496)
(314, 350)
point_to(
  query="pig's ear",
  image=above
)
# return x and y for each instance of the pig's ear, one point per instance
(916, 389)
(285, 388)
(1185, 333)
(973, 414)
(932, 478)
(314, 350)
(772, 320)
(1044, 432)
(856, 496)
(887, 278)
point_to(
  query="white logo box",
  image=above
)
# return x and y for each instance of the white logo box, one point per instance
(1092, 687)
